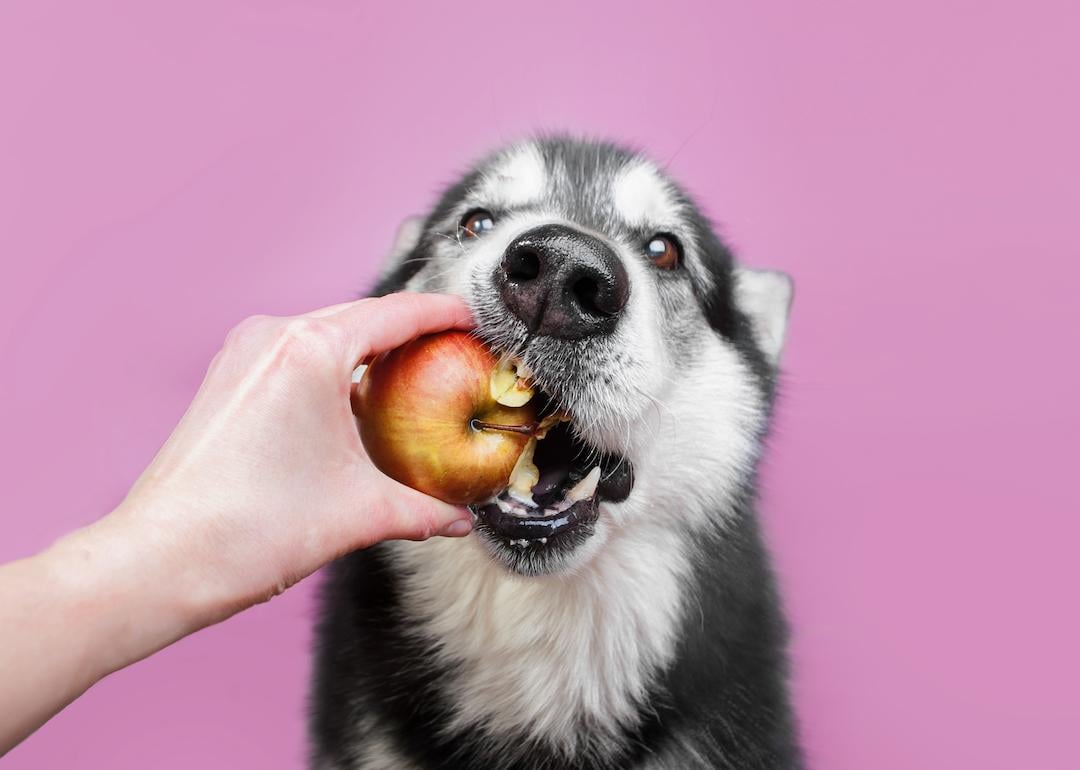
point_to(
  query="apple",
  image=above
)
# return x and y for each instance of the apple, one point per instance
(445, 415)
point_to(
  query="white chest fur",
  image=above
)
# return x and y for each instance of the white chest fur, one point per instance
(542, 656)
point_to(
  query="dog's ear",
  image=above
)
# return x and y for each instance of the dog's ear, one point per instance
(405, 240)
(765, 297)
(398, 268)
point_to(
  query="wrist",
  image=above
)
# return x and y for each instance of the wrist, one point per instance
(125, 590)
(95, 601)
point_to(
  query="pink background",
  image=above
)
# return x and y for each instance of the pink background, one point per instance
(169, 168)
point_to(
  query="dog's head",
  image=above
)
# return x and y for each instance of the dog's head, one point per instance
(589, 264)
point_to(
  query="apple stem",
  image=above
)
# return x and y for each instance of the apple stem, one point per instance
(527, 430)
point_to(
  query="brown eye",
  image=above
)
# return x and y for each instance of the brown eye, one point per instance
(477, 222)
(664, 251)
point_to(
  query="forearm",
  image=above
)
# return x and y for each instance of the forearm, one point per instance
(95, 601)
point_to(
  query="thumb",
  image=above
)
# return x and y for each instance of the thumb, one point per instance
(412, 515)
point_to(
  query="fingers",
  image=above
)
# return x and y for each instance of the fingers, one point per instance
(375, 325)
(329, 310)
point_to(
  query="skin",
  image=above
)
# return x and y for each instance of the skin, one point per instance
(263, 481)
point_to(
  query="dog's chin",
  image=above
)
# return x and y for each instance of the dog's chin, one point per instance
(548, 531)
(548, 555)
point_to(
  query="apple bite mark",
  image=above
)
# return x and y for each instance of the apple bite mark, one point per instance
(511, 383)
(524, 476)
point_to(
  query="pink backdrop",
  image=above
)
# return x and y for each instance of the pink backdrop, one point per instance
(169, 168)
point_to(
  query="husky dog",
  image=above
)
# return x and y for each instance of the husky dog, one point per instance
(629, 618)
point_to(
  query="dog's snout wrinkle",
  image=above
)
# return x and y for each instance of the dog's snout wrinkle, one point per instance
(563, 283)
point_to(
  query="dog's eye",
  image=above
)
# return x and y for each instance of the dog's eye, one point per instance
(664, 250)
(477, 222)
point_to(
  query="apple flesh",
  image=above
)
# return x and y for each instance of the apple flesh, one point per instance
(444, 415)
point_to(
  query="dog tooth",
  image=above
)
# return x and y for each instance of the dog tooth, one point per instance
(585, 488)
(521, 497)
(512, 507)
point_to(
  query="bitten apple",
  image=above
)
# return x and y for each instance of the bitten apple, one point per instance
(444, 415)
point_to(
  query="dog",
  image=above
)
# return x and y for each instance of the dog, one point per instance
(626, 618)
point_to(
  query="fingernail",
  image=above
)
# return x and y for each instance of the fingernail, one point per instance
(458, 528)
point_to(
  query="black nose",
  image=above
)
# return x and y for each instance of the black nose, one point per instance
(563, 283)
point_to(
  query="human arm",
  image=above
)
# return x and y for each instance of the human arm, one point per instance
(263, 481)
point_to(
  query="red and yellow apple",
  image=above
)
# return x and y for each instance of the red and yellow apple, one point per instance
(444, 415)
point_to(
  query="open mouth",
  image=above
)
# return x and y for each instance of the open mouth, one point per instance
(571, 479)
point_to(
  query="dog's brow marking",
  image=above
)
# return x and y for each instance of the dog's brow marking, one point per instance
(518, 178)
(642, 198)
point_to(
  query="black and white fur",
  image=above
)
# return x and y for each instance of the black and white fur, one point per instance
(658, 641)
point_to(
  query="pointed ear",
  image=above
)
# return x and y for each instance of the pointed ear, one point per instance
(408, 235)
(765, 297)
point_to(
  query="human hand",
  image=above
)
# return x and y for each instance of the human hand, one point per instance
(265, 478)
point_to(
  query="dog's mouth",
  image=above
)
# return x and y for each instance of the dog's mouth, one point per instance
(558, 512)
